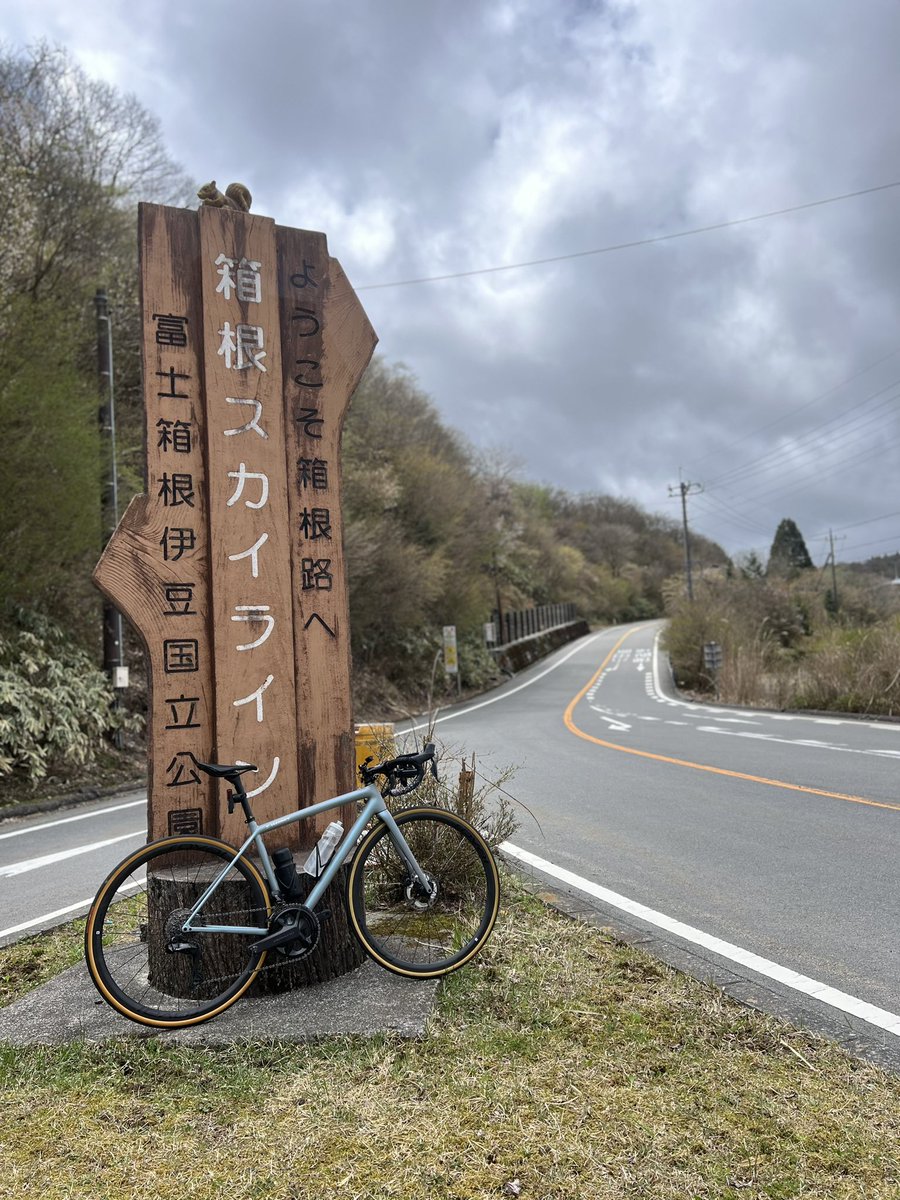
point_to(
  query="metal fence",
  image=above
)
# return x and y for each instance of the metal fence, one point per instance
(513, 626)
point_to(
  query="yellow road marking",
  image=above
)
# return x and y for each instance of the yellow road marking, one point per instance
(681, 762)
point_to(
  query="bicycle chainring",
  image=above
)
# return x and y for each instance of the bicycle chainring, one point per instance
(304, 921)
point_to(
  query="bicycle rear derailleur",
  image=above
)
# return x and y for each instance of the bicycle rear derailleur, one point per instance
(294, 932)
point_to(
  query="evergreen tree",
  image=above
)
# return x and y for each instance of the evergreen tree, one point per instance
(750, 565)
(789, 553)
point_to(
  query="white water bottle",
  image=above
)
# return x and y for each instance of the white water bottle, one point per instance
(323, 849)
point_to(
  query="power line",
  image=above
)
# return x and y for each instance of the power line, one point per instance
(857, 524)
(801, 408)
(732, 515)
(650, 241)
(805, 441)
(854, 459)
(809, 459)
(895, 540)
(777, 495)
(829, 445)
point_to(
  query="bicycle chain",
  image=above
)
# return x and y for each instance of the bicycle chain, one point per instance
(279, 962)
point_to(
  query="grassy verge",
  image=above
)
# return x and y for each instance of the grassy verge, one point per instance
(561, 1065)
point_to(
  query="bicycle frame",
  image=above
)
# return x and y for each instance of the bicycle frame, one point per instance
(374, 806)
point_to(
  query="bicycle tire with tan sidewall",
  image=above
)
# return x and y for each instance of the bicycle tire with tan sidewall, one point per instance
(126, 939)
(405, 932)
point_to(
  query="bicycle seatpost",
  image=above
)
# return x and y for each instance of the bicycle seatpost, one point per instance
(239, 796)
(232, 775)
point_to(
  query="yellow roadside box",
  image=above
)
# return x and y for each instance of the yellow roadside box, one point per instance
(377, 740)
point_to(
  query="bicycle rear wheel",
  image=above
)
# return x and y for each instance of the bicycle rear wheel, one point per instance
(402, 927)
(138, 957)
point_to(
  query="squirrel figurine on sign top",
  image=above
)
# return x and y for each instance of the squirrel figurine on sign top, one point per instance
(236, 195)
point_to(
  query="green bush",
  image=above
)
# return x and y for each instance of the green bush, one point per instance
(55, 705)
(478, 666)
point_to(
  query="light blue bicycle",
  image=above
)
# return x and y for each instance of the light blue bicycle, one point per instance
(180, 928)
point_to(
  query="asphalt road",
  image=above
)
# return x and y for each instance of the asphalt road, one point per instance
(776, 834)
(51, 865)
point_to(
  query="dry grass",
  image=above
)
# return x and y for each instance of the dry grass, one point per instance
(782, 650)
(561, 1065)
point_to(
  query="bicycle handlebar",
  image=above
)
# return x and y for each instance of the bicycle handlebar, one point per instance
(403, 774)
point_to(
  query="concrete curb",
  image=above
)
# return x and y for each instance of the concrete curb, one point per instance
(71, 799)
(365, 1002)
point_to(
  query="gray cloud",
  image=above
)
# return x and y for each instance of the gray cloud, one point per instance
(433, 138)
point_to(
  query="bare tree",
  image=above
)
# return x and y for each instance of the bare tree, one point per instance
(75, 156)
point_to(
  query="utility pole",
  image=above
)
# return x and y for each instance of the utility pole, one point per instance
(834, 591)
(113, 653)
(686, 489)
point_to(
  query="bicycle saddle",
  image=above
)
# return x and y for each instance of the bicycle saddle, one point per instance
(224, 771)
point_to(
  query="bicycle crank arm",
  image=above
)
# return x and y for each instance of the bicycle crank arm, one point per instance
(272, 941)
(291, 924)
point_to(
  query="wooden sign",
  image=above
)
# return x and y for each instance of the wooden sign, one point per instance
(230, 566)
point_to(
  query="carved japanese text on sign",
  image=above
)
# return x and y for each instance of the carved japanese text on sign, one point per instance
(155, 567)
(230, 566)
(248, 496)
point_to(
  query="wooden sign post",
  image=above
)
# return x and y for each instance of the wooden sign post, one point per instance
(230, 566)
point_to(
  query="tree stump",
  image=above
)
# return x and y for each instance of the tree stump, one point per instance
(337, 953)
(171, 895)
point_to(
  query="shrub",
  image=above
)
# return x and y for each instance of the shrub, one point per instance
(478, 666)
(761, 628)
(55, 705)
(480, 799)
(781, 648)
(852, 670)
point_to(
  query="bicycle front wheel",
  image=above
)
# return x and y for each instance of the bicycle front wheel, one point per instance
(138, 956)
(403, 927)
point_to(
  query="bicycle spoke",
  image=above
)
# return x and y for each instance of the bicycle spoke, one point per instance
(136, 951)
(408, 929)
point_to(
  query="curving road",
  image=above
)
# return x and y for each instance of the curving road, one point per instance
(756, 849)
(777, 834)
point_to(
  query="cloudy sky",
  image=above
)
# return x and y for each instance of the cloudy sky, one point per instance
(629, 306)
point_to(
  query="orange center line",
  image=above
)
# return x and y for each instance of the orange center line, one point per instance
(681, 762)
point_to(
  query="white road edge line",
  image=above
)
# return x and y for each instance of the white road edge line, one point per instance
(61, 912)
(512, 691)
(51, 916)
(763, 966)
(97, 812)
(46, 860)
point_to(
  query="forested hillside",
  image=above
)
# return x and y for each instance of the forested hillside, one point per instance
(437, 533)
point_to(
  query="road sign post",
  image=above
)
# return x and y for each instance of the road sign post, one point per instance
(712, 661)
